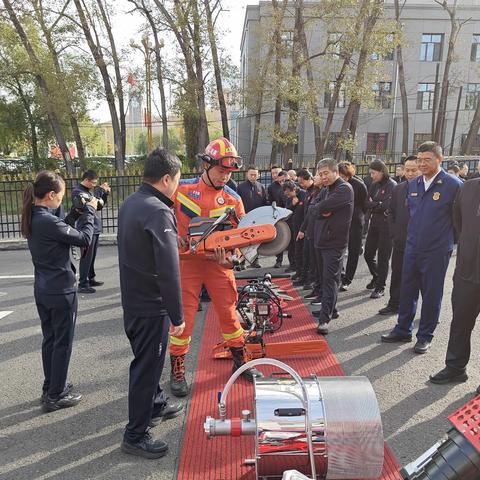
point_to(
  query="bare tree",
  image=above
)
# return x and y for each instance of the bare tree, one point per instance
(472, 132)
(42, 83)
(401, 82)
(95, 47)
(209, 10)
(455, 27)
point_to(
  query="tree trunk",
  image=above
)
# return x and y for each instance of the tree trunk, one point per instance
(52, 116)
(442, 105)
(216, 68)
(278, 20)
(110, 97)
(292, 129)
(402, 85)
(203, 137)
(472, 132)
(119, 85)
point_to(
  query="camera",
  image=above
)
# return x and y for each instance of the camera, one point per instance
(82, 198)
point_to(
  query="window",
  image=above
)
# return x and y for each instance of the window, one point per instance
(472, 95)
(332, 142)
(386, 56)
(425, 92)
(376, 143)
(382, 91)
(419, 138)
(286, 38)
(431, 49)
(335, 43)
(475, 52)
(476, 144)
(341, 100)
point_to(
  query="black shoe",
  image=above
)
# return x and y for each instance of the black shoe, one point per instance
(394, 337)
(169, 410)
(335, 315)
(278, 265)
(388, 310)
(478, 390)
(299, 282)
(343, 287)
(178, 383)
(295, 277)
(290, 269)
(94, 283)
(66, 391)
(322, 328)
(371, 285)
(86, 290)
(448, 375)
(311, 296)
(53, 404)
(377, 293)
(307, 286)
(421, 347)
(239, 360)
(147, 447)
(255, 264)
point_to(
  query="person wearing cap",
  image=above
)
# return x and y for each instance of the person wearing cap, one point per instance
(429, 246)
(208, 196)
(378, 240)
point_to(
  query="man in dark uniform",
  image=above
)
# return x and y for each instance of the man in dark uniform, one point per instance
(275, 194)
(332, 210)
(398, 218)
(466, 284)
(87, 281)
(151, 297)
(428, 248)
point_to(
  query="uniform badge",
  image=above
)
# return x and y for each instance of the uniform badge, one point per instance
(220, 200)
(413, 194)
(436, 196)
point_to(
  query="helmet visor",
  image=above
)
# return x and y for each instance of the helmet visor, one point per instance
(233, 163)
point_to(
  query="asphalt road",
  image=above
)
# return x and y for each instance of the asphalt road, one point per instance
(83, 442)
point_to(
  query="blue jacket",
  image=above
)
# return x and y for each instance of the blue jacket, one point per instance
(430, 228)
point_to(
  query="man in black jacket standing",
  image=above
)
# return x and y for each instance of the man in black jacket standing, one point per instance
(87, 281)
(466, 284)
(151, 297)
(332, 211)
(398, 218)
(253, 193)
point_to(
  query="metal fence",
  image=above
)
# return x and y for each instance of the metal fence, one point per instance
(121, 187)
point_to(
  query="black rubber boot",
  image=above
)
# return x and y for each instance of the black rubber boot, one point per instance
(239, 360)
(178, 384)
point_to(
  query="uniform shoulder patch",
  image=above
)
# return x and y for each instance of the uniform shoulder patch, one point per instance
(232, 192)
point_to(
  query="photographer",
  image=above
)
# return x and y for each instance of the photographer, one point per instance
(89, 181)
(49, 240)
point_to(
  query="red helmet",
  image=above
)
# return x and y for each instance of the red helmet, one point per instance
(222, 153)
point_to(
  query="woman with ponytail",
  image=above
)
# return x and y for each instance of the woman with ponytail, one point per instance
(49, 240)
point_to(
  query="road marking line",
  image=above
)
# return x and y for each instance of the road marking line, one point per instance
(4, 314)
(7, 277)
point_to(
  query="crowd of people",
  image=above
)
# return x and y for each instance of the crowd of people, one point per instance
(407, 224)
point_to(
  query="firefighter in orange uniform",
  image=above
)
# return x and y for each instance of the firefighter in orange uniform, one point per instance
(208, 196)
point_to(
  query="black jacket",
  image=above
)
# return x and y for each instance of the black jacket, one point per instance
(307, 226)
(253, 195)
(275, 194)
(296, 220)
(49, 243)
(148, 255)
(378, 203)
(97, 226)
(399, 216)
(332, 210)
(466, 217)
(360, 195)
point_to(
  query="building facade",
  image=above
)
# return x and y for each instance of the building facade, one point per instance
(426, 31)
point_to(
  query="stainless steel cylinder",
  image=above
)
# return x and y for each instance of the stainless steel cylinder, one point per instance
(346, 426)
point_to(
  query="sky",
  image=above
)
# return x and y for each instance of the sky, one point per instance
(126, 27)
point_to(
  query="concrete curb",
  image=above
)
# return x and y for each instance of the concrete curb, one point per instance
(21, 243)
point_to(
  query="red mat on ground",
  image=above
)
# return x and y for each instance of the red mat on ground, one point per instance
(222, 458)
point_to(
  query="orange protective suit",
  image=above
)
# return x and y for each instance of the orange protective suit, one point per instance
(194, 198)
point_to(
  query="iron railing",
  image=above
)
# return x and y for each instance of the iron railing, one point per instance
(121, 187)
